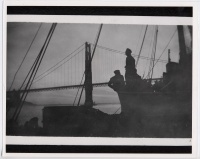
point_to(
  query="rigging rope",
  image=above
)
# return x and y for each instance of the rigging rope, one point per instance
(154, 54)
(36, 60)
(32, 76)
(32, 68)
(116, 110)
(101, 47)
(82, 77)
(138, 40)
(25, 56)
(141, 47)
(100, 28)
(151, 45)
(33, 73)
(164, 49)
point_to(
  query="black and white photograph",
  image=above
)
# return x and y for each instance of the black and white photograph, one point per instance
(99, 80)
(122, 83)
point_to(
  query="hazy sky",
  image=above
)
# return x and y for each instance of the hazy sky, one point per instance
(68, 37)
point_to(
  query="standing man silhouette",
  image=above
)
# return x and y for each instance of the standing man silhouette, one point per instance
(130, 68)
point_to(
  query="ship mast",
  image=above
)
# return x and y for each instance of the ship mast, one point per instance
(154, 50)
(182, 46)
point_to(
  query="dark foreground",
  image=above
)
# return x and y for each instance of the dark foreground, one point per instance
(146, 116)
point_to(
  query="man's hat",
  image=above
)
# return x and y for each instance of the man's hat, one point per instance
(117, 71)
(128, 51)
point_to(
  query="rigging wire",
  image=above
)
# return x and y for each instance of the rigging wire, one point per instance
(158, 60)
(36, 79)
(38, 65)
(83, 75)
(151, 45)
(100, 28)
(59, 61)
(112, 50)
(164, 48)
(28, 73)
(156, 38)
(141, 46)
(32, 68)
(78, 89)
(138, 40)
(23, 97)
(116, 110)
(120, 52)
(35, 60)
(152, 54)
(25, 56)
(33, 73)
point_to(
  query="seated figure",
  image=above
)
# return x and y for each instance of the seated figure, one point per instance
(116, 82)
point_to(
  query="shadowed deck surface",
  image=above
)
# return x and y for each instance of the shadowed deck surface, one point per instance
(145, 116)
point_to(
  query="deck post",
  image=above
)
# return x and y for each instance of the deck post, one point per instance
(88, 76)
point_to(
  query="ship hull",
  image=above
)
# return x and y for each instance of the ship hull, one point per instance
(150, 115)
(159, 114)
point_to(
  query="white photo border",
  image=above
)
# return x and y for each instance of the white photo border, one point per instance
(109, 20)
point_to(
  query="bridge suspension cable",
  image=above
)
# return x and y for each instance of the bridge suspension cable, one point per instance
(75, 65)
(72, 64)
(59, 62)
(62, 62)
(56, 67)
(123, 53)
(84, 72)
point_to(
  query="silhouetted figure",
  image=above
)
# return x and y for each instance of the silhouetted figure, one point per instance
(117, 82)
(32, 123)
(131, 71)
(12, 100)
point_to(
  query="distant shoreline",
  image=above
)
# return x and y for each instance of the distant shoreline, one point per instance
(96, 104)
(30, 103)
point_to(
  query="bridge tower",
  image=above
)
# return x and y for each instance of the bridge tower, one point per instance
(88, 76)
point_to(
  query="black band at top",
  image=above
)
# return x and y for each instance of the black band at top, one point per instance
(101, 10)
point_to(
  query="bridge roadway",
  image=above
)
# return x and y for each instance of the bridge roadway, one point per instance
(103, 84)
(64, 87)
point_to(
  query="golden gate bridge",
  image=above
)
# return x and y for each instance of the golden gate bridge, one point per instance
(68, 73)
(71, 68)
